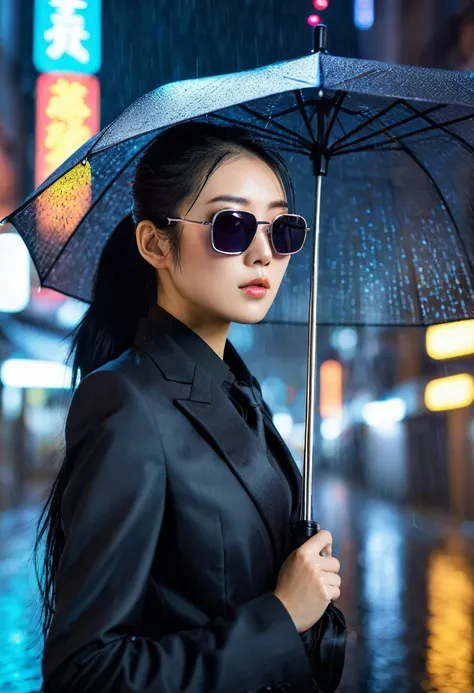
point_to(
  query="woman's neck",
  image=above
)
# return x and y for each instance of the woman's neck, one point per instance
(212, 330)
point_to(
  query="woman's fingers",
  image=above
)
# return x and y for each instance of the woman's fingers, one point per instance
(332, 579)
(330, 565)
(332, 585)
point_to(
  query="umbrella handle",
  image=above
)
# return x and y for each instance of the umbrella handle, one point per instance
(303, 530)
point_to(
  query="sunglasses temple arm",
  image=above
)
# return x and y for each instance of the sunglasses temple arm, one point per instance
(190, 221)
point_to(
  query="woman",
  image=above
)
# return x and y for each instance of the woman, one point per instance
(167, 563)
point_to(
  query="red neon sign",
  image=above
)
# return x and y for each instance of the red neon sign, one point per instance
(67, 115)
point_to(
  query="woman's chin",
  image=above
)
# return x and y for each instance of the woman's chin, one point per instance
(250, 315)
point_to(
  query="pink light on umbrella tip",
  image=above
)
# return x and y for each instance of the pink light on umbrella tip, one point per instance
(314, 19)
(321, 4)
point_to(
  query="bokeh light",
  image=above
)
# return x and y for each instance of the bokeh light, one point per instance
(314, 19)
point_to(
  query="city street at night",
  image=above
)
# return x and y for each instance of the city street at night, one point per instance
(408, 595)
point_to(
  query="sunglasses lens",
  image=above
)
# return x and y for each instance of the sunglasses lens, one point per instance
(289, 233)
(233, 231)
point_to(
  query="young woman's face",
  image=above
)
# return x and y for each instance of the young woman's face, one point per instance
(207, 285)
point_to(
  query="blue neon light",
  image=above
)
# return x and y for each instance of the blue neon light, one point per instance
(67, 36)
(364, 14)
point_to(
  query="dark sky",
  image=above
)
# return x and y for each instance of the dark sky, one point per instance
(147, 43)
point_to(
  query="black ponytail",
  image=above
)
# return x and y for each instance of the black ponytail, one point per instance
(125, 288)
(170, 175)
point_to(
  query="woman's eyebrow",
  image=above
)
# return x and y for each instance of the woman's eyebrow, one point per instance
(245, 201)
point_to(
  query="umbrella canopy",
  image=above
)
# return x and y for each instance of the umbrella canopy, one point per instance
(395, 144)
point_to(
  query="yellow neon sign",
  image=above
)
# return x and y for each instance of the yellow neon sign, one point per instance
(450, 340)
(453, 392)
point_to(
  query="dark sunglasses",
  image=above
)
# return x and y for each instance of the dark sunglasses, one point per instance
(232, 231)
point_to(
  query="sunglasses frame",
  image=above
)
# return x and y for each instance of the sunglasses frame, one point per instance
(239, 252)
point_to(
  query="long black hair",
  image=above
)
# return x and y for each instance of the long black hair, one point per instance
(172, 172)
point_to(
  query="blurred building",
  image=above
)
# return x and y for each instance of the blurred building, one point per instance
(10, 131)
(452, 42)
(430, 33)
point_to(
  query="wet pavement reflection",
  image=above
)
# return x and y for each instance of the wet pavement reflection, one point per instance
(408, 595)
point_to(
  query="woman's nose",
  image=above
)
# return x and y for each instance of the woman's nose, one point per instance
(261, 246)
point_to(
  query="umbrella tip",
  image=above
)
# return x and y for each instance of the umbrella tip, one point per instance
(320, 38)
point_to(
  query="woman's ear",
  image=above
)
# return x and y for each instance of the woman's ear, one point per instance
(152, 245)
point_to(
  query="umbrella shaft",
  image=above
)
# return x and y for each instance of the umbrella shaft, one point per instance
(311, 371)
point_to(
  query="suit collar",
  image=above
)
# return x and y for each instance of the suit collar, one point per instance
(177, 350)
(159, 320)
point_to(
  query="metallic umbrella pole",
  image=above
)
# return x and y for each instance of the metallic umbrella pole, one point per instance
(329, 635)
(306, 527)
(311, 370)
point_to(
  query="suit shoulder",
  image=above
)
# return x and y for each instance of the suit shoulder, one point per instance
(132, 370)
(117, 389)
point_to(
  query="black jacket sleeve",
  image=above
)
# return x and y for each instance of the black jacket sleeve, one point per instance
(112, 512)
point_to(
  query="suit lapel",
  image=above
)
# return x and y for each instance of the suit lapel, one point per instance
(204, 402)
(277, 444)
(286, 459)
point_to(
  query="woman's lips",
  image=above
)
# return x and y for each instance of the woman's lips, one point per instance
(255, 291)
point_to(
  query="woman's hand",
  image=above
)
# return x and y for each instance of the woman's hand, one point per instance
(308, 581)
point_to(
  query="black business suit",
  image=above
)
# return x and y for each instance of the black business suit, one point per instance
(176, 523)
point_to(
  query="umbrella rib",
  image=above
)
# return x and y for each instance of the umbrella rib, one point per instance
(352, 112)
(375, 148)
(270, 134)
(106, 129)
(298, 137)
(104, 191)
(47, 285)
(362, 75)
(337, 107)
(440, 126)
(413, 156)
(341, 124)
(301, 105)
(431, 128)
(286, 111)
(364, 124)
(386, 129)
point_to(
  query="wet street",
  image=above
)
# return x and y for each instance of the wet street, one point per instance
(408, 596)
